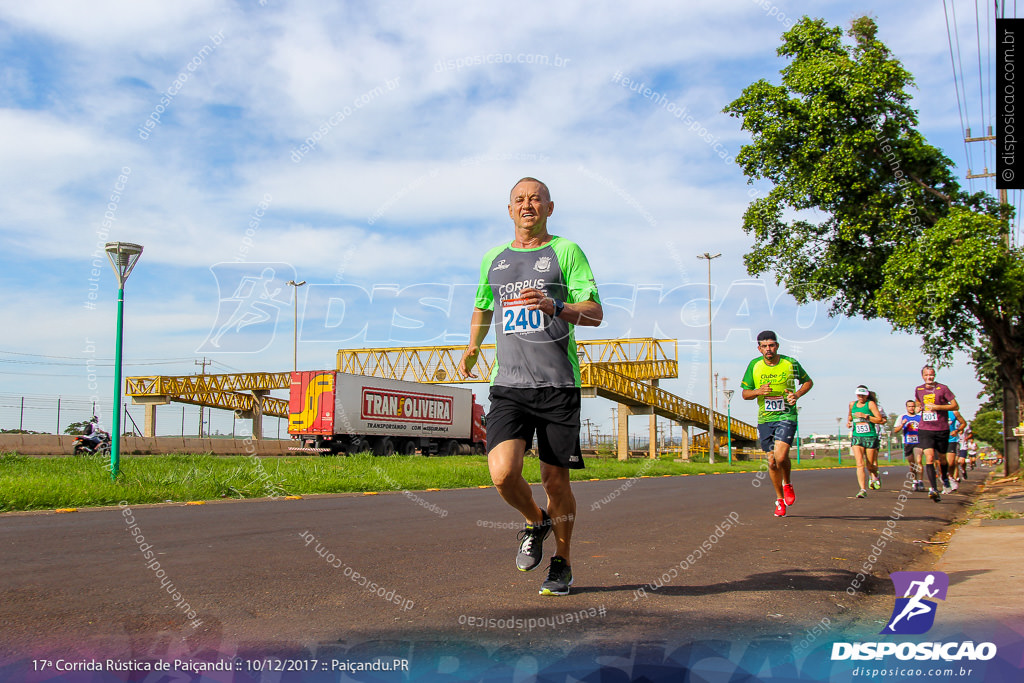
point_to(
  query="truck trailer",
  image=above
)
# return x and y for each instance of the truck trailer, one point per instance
(336, 413)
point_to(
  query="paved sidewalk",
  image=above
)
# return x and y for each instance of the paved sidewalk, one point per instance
(985, 563)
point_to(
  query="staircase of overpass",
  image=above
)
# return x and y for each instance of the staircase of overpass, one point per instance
(626, 371)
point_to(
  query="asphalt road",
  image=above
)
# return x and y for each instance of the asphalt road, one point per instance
(80, 584)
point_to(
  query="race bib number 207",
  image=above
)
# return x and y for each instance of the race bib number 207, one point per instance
(774, 404)
(516, 318)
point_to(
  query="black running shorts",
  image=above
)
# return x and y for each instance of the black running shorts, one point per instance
(937, 439)
(552, 413)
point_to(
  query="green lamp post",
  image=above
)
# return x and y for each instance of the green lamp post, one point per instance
(123, 257)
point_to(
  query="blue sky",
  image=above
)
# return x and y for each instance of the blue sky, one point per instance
(368, 148)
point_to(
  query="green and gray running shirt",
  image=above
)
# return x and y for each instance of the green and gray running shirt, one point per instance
(534, 349)
(786, 374)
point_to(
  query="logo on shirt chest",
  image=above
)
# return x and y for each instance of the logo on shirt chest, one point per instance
(543, 264)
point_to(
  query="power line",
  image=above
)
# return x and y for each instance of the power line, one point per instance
(84, 358)
(981, 82)
(88, 361)
(956, 87)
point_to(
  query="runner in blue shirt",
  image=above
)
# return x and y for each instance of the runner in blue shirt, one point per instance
(908, 423)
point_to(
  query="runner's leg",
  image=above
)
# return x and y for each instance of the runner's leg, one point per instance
(505, 462)
(929, 455)
(858, 453)
(871, 461)
(561, 506)
(779, 467)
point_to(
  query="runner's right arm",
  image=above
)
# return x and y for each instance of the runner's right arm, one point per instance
(479, 325)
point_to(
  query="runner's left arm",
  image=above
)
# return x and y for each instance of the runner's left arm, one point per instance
(805, 386)
(585, 313)
(952, 405)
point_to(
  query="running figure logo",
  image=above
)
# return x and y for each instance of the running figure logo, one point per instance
(914, 613)
(251, 297)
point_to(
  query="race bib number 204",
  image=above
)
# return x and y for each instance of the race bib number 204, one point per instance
(516, 318)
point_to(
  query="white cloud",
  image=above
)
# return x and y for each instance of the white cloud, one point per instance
(411, 185)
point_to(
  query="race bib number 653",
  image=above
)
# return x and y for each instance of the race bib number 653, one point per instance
(516, 318)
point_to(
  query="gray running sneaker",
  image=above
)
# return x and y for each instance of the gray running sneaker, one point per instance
(531, 546)
(559, 578)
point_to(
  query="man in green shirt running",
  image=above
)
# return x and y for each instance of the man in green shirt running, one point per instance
(776, 381)
(535, 289)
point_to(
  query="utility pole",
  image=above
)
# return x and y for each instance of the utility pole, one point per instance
(588, 422)
(711, 387)
(204, 363)
(1011, 411)
(1003, 199)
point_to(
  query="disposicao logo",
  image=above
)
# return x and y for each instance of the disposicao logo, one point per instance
(914, 613)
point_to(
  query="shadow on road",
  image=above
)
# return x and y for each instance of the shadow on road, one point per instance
(787, 579)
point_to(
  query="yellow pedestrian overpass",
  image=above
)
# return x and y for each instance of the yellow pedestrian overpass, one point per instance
(626, 371)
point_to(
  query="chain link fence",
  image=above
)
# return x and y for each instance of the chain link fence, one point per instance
(54, 414)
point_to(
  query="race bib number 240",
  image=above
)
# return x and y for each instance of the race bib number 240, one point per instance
(516, 318)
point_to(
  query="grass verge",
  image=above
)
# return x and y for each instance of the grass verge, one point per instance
(70, 482)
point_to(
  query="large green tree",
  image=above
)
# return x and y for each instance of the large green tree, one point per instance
(864, 214)
(988, 427)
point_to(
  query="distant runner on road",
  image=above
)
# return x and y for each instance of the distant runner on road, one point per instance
(541, 286)
(950, 476)
(776, 381)
(934, 400)
(966, 440)
(861, 418)
(908, 424)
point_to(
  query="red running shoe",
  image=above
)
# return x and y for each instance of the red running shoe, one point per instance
(780, 508)
(788, 494)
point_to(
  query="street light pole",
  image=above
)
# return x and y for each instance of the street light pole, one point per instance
(123, 256)
(711, 386)
(839, 439)
(295, 325)
(728, 420)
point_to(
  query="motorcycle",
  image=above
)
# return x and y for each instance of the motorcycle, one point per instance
(83, 446)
